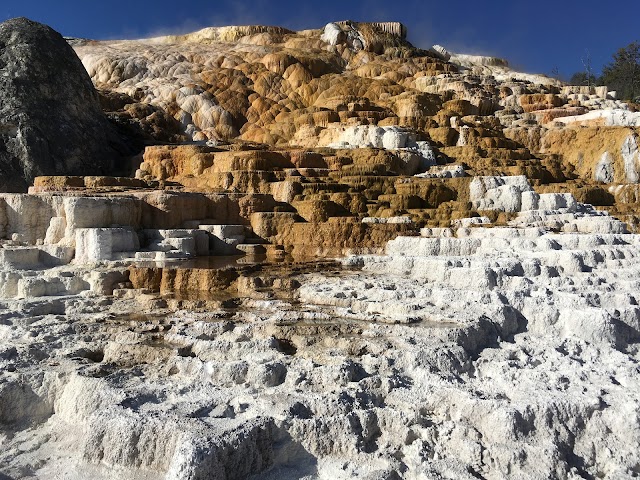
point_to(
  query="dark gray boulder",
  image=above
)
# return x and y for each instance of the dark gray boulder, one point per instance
(50, 117)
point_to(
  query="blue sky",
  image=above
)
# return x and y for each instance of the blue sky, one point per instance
(535, 36)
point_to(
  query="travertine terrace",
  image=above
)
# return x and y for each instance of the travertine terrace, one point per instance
(336, 256)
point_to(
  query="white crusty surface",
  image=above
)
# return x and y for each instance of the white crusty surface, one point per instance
(504, 352)
(610, 117)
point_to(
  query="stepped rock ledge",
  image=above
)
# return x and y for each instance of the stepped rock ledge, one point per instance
(251, 252)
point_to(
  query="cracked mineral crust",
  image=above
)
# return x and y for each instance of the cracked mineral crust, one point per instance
(337, 256)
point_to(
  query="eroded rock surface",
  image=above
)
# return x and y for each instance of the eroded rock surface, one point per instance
(51, 123)
(186, 323)
(361, 87)
(480, 350)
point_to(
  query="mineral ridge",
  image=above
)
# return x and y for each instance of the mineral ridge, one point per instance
(337, 256)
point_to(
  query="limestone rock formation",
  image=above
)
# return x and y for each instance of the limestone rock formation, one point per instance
(140, 124)
(340, 257)
(50, 119)
(491, 350)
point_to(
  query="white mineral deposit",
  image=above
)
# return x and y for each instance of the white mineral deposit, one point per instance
(340, 257)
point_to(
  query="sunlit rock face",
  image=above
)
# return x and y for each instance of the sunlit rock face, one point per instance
(261, 83)
(340, 256)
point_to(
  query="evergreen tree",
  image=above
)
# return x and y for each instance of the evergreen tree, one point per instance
(623, 73)
(583, 79)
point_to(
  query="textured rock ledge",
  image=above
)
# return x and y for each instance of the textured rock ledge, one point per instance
(497, 337)
(479, 351)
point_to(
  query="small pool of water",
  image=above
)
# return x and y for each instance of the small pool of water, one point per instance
(219, 262)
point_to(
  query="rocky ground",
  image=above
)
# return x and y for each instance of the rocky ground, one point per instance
(339, 256)
(477, 353)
